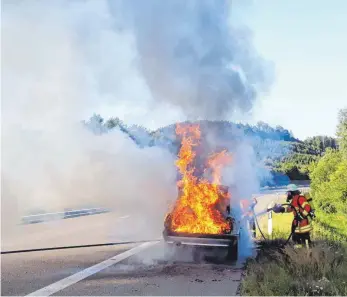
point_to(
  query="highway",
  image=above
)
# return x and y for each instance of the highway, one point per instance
(150, 268)
(143, 273)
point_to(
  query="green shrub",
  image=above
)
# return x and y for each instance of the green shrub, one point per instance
(329, 191)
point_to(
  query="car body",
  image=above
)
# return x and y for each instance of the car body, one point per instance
(229, 239)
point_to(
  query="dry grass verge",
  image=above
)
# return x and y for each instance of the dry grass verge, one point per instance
(320, 271)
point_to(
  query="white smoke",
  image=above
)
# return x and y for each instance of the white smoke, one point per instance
(242, 174)
(63, 60)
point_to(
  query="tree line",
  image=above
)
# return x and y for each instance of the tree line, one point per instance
(276, 146)
(329, 184)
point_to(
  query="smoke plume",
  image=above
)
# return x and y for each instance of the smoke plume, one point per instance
(53, 64)
(63, 60)
(193, 56)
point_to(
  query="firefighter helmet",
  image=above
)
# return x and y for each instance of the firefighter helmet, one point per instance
(292, 188)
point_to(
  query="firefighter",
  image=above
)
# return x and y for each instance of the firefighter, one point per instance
(302, 210)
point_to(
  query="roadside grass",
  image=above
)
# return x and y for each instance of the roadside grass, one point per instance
(282, 270)
(333, 226)
(320, 271)
(281, 226)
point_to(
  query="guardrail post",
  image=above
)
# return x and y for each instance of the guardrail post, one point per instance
(269, 222)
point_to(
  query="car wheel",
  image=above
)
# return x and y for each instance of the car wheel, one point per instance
(233, 251)
(197, 255)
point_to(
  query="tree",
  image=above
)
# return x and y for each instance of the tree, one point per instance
(112, 123)
(95, 123)
(319, 144)
(329, 190)
(96, 118)
(342, 131)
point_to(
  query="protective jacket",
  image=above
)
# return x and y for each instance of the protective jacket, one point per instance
(301, 221)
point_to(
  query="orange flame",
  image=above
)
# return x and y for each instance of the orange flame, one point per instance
(196, 210)
(216, 162)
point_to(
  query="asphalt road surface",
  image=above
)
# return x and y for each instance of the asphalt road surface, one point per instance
(146, 271)
(151, 268)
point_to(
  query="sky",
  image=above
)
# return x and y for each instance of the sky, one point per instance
(307, 41)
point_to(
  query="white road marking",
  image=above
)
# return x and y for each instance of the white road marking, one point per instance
(124, 217)
(66, 282)
(201, 244)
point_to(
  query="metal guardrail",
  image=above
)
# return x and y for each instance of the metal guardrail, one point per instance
(282, 187)
(300, 184)
(278, 190)
(44, 217)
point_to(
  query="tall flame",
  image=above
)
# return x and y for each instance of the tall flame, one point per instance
(196, 210)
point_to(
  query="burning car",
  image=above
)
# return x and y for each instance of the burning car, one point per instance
(201, 215)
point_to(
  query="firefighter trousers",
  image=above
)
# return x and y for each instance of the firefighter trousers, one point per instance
(302, 239)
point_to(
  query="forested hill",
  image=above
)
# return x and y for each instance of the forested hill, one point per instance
(261, 130)
(275, 146)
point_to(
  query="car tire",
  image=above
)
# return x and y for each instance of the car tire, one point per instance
(233, 251)
(197, 255)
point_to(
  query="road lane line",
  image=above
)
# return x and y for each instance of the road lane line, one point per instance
(124, 217)
(68, 281)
